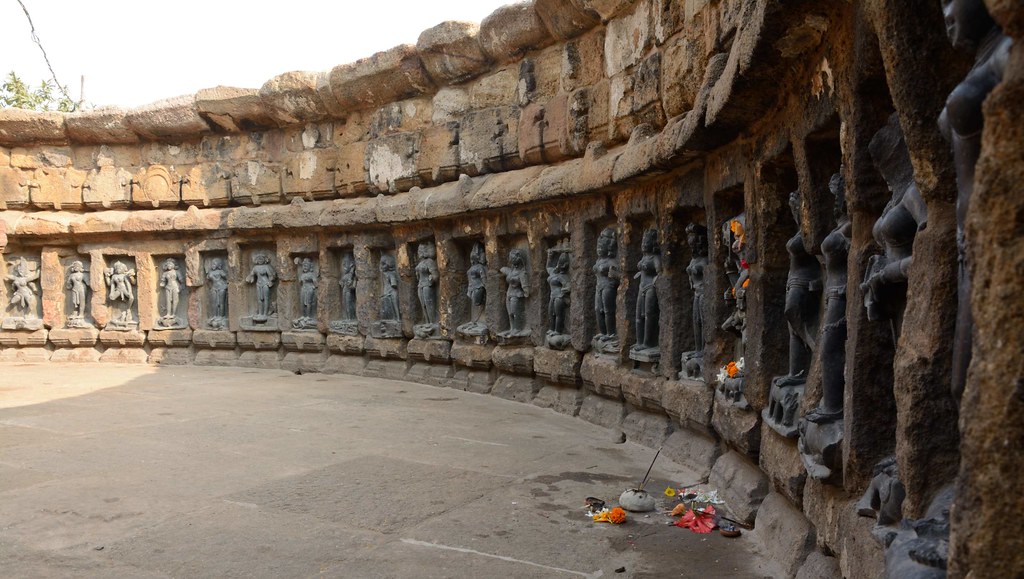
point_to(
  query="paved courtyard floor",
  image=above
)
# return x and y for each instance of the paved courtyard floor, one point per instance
(136, 471)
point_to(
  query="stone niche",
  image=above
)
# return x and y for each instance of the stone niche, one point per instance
(22, 292)
(214, 281)
(467, 273)
(301, 306)
(339, 279)
(498, 306)
(385, 321)
(259, 275)
(172, 294)
(77, 290)
(645, 359)
(121, 292)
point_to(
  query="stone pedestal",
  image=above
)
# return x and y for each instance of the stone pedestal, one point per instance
(470, 380)
(303, 341)
(518, 388)
(780, 460)
(23, 339)
(643, 391)
(75, 345)
(345, 344)
(22, 324)
(602, 375)
(431, 351)
(475, 356)
(387, 348)
(740, 427)
(265, 359)
(343, 364)
(259, 324)
(563, 399)
(689, 402)
(558, 366)
(170, 338)
(170, 356)
(304, 362)
(258, 340)
(513, 360)
(215, 348)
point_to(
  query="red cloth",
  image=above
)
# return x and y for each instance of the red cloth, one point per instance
(703, 522)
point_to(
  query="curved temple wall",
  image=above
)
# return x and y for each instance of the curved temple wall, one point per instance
(632, 171)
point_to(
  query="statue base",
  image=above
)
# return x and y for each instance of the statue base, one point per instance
(259, 323)
(557, 341)
(821, 445)
(345, 327)
(27, 324)
(731, 391)
(304, 324)
(171, 323)
(474, 332)
(427, 331)
(648, 355)
(514, 338)
(605, 344)
(217, 323)
(384, 329)
(121, 326)
(77, 323)
(693, 366)
(783, 406)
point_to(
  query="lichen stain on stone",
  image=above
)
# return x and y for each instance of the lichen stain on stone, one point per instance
(307, 164)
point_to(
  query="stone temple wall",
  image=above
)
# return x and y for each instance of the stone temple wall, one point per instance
(623, 210)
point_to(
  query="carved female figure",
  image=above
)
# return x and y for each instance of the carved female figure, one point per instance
(426, 281)
(389, 289)
(518, 291)
(78, 284)
(697, 239)
(606, 269)
(348, 287)
(308, 280)
(647, 307)
(23, 286)
(217, 275)
(477, 275)
(263, 275)
(558, 302)
(171, 280)
(120, 280)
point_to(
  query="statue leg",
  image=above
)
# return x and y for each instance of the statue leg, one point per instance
(651, 311)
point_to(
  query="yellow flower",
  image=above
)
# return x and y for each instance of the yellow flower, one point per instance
(670, 492)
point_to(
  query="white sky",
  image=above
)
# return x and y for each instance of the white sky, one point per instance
(133, 52)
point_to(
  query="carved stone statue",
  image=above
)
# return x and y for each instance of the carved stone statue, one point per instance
(885, 281)
(77, 283)
(560, 286)
(217, 276)
(347, 325)
(171, 282)
(803, 304)
(971, 28)
(309, 281)
(120, 279)
(22, 307)
(476, 291)
(731, 377)
(606, 268)
(389, 323)
(697, 239)
(515, 297)
(920, 549)
(821, 430)
(648, 310)
(427, 276)
(264, 277)
(883, 500)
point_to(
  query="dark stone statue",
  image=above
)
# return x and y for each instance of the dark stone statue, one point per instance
(821, 430)
(22, 309)
(389, 324)
(883, 500)
(518, 291)
(347, 325)
(476, 291)
(803, 304)
(697, 239)
(920, 549)
(560, 286)
(309, 281)
(648, 311)
(730, 377)
(264, 277)
(608, 274)
(885, 281)
(217, 276)
(171, 283)
(120, 280)
(77, 282)
(970, 27)
(427, 276)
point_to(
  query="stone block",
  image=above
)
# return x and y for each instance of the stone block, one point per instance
(558, 366)
(602, 411)
(583, 61)
(542, 130)
(30, 355)
(340, 364)
(170, 356)
(473, 381)
(819, 566)
(233, 110)
(518, 388)
(741, 428)
(155, 186)
(123, 339)
(627, 39)
(74, 337)
(13, 189)
(292, 98)
(432, 351)
(206, 185)
(381, 368)
(431, 374)
(690, 402)
(106, 188)
(170, 338)
(258, 340)
(350, 177)
(438, 158)
(566, 19)
(741, 485)
(784, 534)
(216, 358)
(489, 140)
(170, 119)
(22, 127)
(608, 9)
(450, 52)
(214, 339)
(494, 90)
(643, 391)
(255, 182)
(303, 341)
(562, 399)
(780, 460)
(647, 428)
(694, 450)
(303, 362)
(448, 104)
(345, 344)
(266, 360)
(394, 348)
(310, 174)
(385, 77)
(512, 30)
(513, 359)
(75, 355)
(682, 73)
(124, 356)
(56, 188)
(603, 375)
(391, 162)
(101, 126)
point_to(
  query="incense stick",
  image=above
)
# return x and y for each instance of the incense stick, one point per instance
(644, 481)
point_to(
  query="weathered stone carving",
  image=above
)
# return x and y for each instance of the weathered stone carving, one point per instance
(883, 500)
(697, 239)
(263, 313)
(803, 305)
(557, 336)
(77, 283)
(120, 279)
(389, 324)
(920, 549)
(309, 280)
(476, 291)
(347, 325)
(217, 276)
(821, 430)
(885, 281)
(171, 282)
(606, 268)
(648, 310)
(730, 377)
(970, 27)
(515, 297)
(427, 276)
(22, 307)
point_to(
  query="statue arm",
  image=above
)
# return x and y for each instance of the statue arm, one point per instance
(251, 277)
(524, 282)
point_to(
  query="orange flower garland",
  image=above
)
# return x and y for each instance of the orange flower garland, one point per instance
(616, 516)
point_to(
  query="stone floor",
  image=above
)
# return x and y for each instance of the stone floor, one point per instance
(137, 471)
